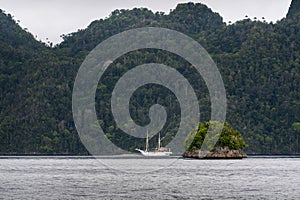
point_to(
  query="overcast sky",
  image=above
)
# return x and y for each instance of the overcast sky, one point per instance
(52, 18)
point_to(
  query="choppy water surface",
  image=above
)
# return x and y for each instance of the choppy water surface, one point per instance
(77, 178)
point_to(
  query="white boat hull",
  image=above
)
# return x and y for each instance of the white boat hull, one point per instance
(154, 154)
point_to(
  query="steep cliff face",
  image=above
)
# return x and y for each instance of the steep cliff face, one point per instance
(294, 9)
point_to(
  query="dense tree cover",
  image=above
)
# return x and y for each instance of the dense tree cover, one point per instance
(34, 95)
(259, 63)
(294, 9)
(228, 138)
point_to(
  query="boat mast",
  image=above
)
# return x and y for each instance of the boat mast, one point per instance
(158, 140)
(147, 142)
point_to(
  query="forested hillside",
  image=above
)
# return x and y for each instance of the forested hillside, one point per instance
(259, 63)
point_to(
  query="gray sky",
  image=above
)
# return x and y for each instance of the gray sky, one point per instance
(52, 18)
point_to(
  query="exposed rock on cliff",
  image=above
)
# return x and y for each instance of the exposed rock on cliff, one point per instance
(217, 153)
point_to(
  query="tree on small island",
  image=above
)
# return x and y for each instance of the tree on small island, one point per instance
(229, 145)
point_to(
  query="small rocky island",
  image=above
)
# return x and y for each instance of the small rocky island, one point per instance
(230, 145)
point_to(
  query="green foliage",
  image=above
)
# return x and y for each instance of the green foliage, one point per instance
(296, 126)
(294, 9)
(259, 63)
(229, 137)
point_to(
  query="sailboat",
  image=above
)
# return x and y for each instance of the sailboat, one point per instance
(159, 151)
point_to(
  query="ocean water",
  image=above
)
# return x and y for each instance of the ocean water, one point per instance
(137, 178)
